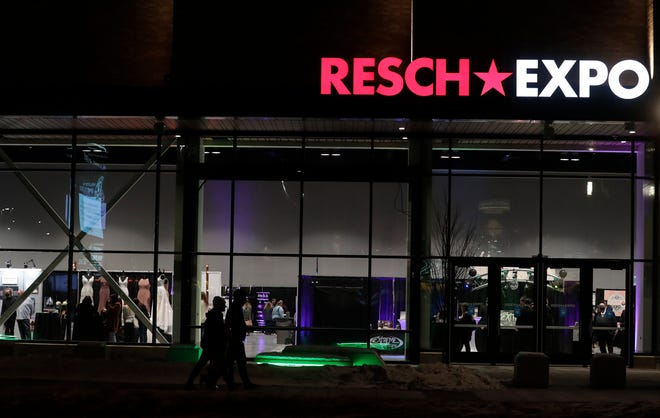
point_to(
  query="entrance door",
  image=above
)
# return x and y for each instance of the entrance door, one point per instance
(574, 326)
(512, 313)
(502, 298)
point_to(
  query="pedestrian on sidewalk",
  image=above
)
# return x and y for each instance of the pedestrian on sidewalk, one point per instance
(213, 343)
(236, 345)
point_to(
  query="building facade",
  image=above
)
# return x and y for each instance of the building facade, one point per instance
(372, 166)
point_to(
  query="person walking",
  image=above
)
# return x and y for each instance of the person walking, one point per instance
(213, 343)
(236, 343)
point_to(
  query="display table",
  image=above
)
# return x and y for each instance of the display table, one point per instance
(284, 336)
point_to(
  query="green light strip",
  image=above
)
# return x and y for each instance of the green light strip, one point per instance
(377, 346)
(8, 337)
(299, 361)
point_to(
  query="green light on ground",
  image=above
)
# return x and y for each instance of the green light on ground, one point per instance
(376, 346)
(302, 361)
(352, 345)
(8, 337)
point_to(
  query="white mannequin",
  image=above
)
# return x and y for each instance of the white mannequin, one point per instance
(87, 288)
(164, 316)
(123, 284)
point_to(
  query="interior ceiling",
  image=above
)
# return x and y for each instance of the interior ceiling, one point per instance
(134, 130)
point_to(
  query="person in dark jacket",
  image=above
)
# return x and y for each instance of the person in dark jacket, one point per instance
(603, 328)
(87, 324)
(6, 303)
(465, 334)
(236, 345)
(213, 343)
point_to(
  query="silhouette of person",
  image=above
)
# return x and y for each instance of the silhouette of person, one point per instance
(128, 317)
(87, 325)
(481, 332)
(6, 303)
(236, 345)
(213, 343)
(604, 326)
(142, 328)
(620, 334)
(465, 333)
(268, 317)
(525, 324)
(112, 314)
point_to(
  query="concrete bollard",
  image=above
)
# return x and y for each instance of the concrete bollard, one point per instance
(607, 371)
(531, 369)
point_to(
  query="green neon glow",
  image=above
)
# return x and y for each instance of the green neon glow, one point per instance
(377, 346)
(352, 345)
(8, 337)
(299, 361)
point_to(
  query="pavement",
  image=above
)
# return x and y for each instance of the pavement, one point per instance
(63, 386)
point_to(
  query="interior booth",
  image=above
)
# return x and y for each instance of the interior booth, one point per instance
(412, 177)
(21, 279)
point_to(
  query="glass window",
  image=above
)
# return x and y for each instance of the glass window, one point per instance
(167, 211)
(267, 216)
(26, 220)
(215, 226)
(116, 210)
(577, 224)
(644, 218)
(494, 216)
(336, 218)
(389, 307)
(645, 158)
(390, 219)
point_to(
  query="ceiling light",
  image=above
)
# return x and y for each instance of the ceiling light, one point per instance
(630, 127)
(590, 187)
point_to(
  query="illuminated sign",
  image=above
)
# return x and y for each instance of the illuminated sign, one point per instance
(386, 342)
(358, 77)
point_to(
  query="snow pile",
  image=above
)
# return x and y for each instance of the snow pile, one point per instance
(432, 376)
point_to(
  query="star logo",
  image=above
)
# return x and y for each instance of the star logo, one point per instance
(493, 79)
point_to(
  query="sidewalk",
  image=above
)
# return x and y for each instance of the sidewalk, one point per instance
(78, 387)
